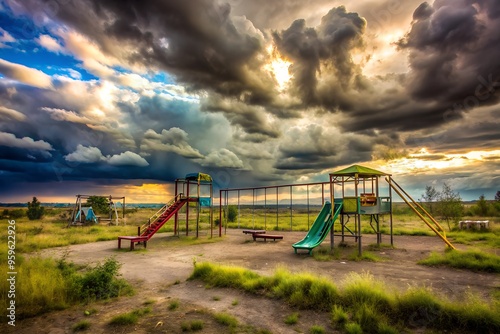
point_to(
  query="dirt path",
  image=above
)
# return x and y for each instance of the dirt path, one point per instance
(157, 271)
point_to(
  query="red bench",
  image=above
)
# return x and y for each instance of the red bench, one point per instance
(133, 240)
(266, 236)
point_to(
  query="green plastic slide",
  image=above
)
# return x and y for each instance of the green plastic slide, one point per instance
(320, 227)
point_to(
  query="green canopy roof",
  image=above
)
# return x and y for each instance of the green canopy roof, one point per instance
(360, 170)
(200, 177)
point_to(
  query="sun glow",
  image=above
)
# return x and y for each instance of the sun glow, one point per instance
(278, 67)
(423, 160)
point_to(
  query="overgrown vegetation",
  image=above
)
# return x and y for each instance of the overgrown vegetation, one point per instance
(472, 260)
(49, 285)
(361, 304)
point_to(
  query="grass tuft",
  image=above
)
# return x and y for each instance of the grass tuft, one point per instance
(226, 319)
(353, 328)
(472, 260)
(124, 319)
(292, 319)
(81, 325)
(316, 329)
(174, 304)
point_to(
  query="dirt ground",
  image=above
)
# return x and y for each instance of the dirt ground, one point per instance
(159, 275)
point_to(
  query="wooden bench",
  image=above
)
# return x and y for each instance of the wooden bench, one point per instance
(133, 240)
(266, 236)
(254, 231)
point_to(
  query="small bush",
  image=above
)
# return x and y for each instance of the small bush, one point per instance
(292, 319)
(81, 326)
(100, 282)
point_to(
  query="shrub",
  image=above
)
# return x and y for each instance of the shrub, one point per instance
(101, 282)
(35, 209)
(232, 213)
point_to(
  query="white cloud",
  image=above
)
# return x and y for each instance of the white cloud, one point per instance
(7, 113)
(172, 140)
(10, 140)
(50, 43)
(69, 116)
(222, 158)
(5, 38)
(93, 154)
(24, 74)
(85, 155)
(127, 159)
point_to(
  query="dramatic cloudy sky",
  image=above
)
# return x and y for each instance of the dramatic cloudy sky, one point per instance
(122, 97)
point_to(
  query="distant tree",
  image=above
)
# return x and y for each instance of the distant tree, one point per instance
(482, 207)
(35, 209)
(450, 205)
(232, 213)
(497, 196)
(99, 204)
(430, 196)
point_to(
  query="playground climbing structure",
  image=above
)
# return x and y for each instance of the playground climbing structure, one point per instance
(183, 197)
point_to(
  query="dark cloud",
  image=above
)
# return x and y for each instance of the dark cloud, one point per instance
(197, 41)
(326, 47)
(453, 53)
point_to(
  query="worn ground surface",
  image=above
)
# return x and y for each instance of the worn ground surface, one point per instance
(159, 275)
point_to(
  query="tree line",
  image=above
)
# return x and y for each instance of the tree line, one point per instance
(448, 204)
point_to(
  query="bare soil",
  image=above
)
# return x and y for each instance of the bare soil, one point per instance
(159, 276)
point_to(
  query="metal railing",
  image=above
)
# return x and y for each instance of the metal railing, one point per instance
(154, 218)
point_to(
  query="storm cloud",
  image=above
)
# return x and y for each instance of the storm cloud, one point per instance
(271, 89)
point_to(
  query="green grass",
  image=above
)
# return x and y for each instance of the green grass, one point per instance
(292, 319)
(316, 329)
(489, 238)
(471, 260)
(49, 285)
(193, 325)
(361, 302)
(226, 319)
(129, 318)
(339, 316)
(173, 305)
(365, 256)
(81, 325)
(124, 319)
(353, 328)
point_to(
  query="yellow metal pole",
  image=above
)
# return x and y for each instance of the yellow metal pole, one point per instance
(420, 215)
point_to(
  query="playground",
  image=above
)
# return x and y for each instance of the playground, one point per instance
(160, 274)
(158, 264)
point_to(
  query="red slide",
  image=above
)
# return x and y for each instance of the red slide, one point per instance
(155, 222)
